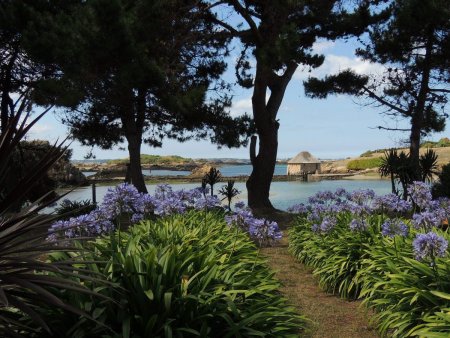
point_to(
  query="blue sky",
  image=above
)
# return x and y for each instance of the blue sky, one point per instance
(337, 127)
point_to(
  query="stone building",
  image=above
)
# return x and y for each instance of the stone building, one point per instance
(302, 164)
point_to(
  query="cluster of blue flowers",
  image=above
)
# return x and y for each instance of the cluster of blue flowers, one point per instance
(124, 202)
(429, 245)
(262, 231)
(325, 207)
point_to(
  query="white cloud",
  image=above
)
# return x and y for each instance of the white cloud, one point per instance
(243, 106)
(321, 46)
(41, 129)
(333, 64)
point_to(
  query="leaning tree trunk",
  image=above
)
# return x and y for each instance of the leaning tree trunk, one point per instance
(258, 184)
(264, 115)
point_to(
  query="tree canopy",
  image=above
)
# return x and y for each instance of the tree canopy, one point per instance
(141, 71)
(414, 45)
(279, 35)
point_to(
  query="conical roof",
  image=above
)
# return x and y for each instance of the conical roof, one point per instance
(303, 157)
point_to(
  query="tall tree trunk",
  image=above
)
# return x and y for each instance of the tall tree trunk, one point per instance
(414, 145)
(258, 184)
(134, 150)
(419, 112)
(133, 122)
(264, 115)
(6, 101)
(394, 191)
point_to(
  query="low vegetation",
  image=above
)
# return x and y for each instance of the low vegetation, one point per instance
(155, 160)
(391, 253)
(364, 163)
(181, 276)
(443, 142)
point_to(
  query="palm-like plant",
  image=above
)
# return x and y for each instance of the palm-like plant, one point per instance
(389, 167)
(428, 165)
(212, 177)
(26, 279)
(228, 192)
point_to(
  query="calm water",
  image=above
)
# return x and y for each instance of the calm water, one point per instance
(246, 169)
(282, 194)
(149, 172)
(226, 170)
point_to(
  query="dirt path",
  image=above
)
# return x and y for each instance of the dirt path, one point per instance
(332, 317)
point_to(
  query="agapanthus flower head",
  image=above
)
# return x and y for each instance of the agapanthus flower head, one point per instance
(429, 246)
(263, 231)
(391, 203)
(298, 209)
(328, 224)
(163, 190)
(359, 224)
(124, 198)
(207, 202)
(362, 196)
(394, 227)
(426, 220)
(240, 205)
(420, 193)
(326, 195)
(341, 192)
(169, 206)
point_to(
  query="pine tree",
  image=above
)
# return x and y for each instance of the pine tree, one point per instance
(144, 70)
(414, 45)
(279, 35)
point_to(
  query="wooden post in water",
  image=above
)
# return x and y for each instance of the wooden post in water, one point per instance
(94, 194)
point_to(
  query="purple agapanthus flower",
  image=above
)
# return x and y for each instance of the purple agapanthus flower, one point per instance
(327, 225)
(359, 224)
(391, 203)
(429, 246)
(394, 227)
(123, 198)
(362, 196)
(420, 193)
(207, 202)
(298, 209)
(426, 220)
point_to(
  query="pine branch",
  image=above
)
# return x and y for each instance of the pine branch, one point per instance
(384, 102)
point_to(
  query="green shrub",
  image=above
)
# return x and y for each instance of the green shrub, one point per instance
(155, 160)
(182, 276)
(408, 296)
(69, 208)
(364, 163)
(442, 187)
(336, 258)
(367, 153)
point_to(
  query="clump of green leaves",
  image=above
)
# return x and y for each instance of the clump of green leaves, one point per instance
(69, 208)
(442, 187)
(182, 276)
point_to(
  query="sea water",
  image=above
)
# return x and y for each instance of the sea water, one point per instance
(225, 170)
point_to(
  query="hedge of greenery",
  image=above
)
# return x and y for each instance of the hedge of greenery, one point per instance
(392, 254)
(178, 276)
(364, 163)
